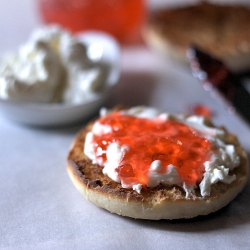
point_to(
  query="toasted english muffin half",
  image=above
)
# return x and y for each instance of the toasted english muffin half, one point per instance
(153, 203)
(221, 30)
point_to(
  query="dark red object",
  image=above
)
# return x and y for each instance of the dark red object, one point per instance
(212, 72)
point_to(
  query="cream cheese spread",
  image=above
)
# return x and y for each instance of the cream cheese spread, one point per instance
(222, 160)
(52, 66)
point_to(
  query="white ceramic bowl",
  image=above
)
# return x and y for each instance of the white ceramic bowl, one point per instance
(101, 47)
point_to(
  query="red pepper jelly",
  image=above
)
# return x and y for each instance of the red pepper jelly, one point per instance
(147, 140)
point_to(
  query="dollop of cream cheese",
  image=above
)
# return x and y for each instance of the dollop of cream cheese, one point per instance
(52, 66)
(223, 159)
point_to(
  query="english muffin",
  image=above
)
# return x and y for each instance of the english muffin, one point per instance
(147, 164)
(221, 30)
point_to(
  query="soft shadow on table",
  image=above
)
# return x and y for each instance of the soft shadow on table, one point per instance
(134, 88)
(65, 130)
(237, 213)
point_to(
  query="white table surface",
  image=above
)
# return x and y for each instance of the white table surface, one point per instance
(39, 206)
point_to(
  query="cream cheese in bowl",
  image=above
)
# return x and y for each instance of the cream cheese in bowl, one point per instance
(57, 78)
